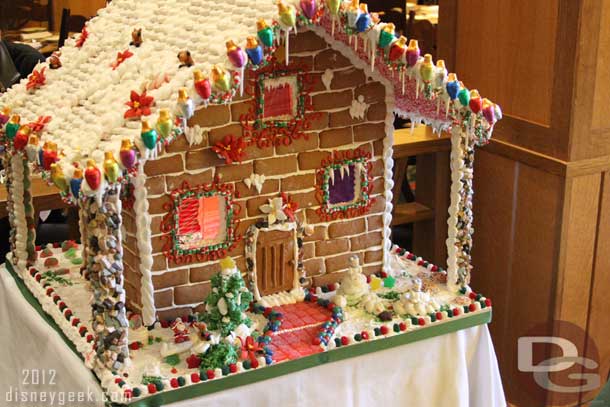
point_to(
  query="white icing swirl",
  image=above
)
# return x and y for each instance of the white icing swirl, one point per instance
(143, 236)
(17, 193)
(456, 164)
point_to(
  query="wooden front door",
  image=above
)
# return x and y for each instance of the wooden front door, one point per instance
(275, 261)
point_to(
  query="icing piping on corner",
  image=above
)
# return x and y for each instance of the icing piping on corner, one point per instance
(143, 221)
(19, 211)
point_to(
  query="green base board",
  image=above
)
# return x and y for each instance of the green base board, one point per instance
(269, 372)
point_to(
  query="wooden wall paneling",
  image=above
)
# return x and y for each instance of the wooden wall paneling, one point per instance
(525, 156)
(580, 212)
(575, 268)
(566, 42)
(521, 54)
(565, 169)
(544, 251)
(598, 324)
(601, 107)
(538, 203)
(590, 127)
(513, 60)
(492, 254)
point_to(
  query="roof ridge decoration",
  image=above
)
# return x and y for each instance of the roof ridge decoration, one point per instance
(424, 91)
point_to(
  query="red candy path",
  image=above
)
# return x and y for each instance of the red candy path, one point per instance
(298, 343)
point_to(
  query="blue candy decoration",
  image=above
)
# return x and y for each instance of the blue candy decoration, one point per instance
(452, 89)
(255, 54)
(363, 22)
(75, 184)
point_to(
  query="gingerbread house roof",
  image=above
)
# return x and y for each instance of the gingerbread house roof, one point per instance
(86, 97)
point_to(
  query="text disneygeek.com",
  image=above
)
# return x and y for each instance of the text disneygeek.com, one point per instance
(31, 393)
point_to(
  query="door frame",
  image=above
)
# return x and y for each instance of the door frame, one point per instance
(251, 240)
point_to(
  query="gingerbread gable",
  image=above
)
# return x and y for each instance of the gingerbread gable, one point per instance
(343, 124)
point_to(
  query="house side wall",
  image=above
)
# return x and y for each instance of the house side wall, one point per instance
(290, 169)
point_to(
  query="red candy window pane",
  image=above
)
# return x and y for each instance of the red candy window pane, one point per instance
(201, 221)
(279, 101)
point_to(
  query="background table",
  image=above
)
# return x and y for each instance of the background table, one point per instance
(44, 197)
(458, 369)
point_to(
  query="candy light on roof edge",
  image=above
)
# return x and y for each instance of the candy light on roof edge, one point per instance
(202, 85)
(287, 20)
(333, 6)
(309, 8)
(254, 51)
(238, 58)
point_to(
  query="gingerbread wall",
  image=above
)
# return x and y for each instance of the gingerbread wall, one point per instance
(290, 169)
(131, 260)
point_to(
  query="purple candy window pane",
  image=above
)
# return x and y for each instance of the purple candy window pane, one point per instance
(342, 189)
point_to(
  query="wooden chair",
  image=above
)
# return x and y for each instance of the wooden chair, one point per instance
(43, 13)
(424, 32)
(69, 23)
(391, 11)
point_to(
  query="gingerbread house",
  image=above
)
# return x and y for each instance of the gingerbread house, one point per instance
(247, 129)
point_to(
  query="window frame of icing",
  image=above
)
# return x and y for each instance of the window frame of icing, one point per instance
(362, 201)
(171, 223)
(298, 94)
(268, 133)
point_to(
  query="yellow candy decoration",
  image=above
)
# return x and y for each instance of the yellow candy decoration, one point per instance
(375, 283)
(111, 167)
(58, 177)
(220, 79)
(227, 263)
(427, 69)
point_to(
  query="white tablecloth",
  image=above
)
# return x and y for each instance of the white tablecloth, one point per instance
(457, 370)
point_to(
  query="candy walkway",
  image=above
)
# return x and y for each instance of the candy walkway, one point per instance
(300, 325)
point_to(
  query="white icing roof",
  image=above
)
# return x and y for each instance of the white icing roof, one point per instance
(86, 97)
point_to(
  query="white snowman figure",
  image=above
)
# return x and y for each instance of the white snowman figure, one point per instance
(353, 286)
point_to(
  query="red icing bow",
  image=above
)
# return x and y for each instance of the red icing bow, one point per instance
(39, 124)
(231, 149)
(139, 105)
(249, 348)
(290, 207)
(120, 58)
(36, 79)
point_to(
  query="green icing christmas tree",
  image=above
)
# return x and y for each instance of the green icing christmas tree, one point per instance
(229, 299)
